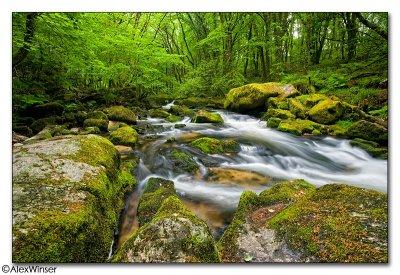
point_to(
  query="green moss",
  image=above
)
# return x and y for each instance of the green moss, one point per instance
(369, 131)
(214, 146)
(297, 108)
(179, 110)
(183, 161)
(121, 113)
(158, 113)
(39, 124)
(371, 147)
(327, 111)
(114, 126)
(125, 135)
(203, 116)
(173, 118)
(99, 123)
(155, 191)
(299, 126)
(382, 112)
(252, 96)
(97, 115)
(273, 122)
(338, 223)
(310, 100)
(278, 103)
(282, 114)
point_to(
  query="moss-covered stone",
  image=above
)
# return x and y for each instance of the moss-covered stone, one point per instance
(327, 111)
(160, 113)
(203, 116)
(67, 195)
(282, 114)
(114, 125)
(180, 110)
(278, 103)
(39, 124)
(97, 115)
(273, 122)
(174, 234)
(371, 147)
(369, 131)
(214, 146)
(173, 118)
(154, 193)
(242, 226)
(311, 100)
(125, 135)
(340, 128)
(99, 123)
(121, 113)
(252, 97)
(338, 223)
(299, 126)
(297, 108)
(183, 161)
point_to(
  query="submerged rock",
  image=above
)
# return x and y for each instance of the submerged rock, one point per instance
(236, 177)
(67, 195)
(173, 235)
(253, 97)
(214, 146)
(125, 135)
(121, 113)
(204, 116)
(294, 221)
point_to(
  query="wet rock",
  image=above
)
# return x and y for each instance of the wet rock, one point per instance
(173, 118)
(158, 113)
(204, 116)
(125, 135)
(183, 161)
(253, 97)
(121, 113)
(273, 122)
(67, 195)
(371, 147)
(300, 126)
(174, 235)
(236, 177)
(214, 146)
(179, 110)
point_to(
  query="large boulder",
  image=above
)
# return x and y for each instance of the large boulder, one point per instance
(327, 111)
(121, 113)
(124, 135)
(296, 222)
(173, 235)
(368, 131)
(254, 97)
(67, 196)
(102, 124)
(204, 116)
(215, 146)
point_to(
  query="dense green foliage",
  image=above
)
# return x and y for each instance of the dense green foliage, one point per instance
(134, 55)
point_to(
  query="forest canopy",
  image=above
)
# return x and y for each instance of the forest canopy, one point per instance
(134, 55)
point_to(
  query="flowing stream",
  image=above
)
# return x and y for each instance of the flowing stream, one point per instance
(264, 154)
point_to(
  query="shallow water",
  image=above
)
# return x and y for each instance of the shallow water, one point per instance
(267, 152)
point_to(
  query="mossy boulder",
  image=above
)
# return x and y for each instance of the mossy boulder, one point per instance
(278, 103)
(204, 116)
(154, 193)
(67, 195)
(174, 235)
(311, 100)
(252, 97)
(273, 122)
(338, 223)
(121, 113)
(94, 122)
(114, 125)
(215, 146)
(97, 115)
(300, 126)
(247, 235)
(327, 111)
(39, 124)
(370, 147)
(279, 113)
(369, 131)
(180, 110)
(173, 118)
(195, 102)
(183, 161)
(297, 108)
(125, 135)
(160, 113)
